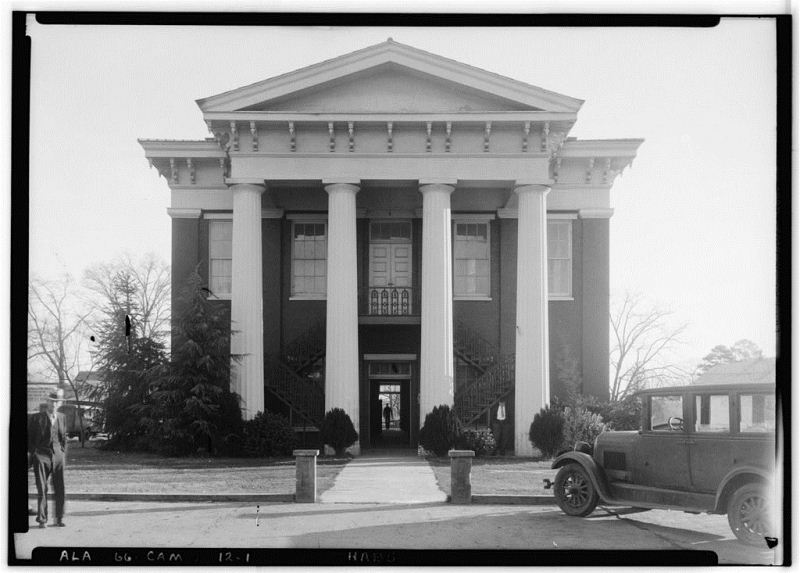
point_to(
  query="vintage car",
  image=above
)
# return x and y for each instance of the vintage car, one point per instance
(701, 448)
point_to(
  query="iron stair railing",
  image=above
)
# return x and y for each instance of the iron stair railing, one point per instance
(306, 350)
(472, 348)
(476, 399)
(305, 396)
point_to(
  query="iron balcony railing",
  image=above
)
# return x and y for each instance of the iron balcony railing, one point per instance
(389, 301)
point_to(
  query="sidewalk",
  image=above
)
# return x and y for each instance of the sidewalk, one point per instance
(397, 478)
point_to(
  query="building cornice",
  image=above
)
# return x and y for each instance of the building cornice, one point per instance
(177, 148)
(600, 148)
(595, 213)
(184, 213)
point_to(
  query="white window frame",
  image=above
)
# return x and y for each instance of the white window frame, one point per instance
(307, 296)
(216, 221)
(566, 222)
(457, 220)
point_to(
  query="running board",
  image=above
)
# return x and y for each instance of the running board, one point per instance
(656, 498)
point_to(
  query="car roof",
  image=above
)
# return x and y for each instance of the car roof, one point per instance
(709, 389)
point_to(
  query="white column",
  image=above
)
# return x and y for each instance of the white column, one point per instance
(532, 383)
(436, 351)
(247, 340)
(341, 336)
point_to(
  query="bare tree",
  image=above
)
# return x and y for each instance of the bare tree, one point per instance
(151, 277)
(57, 338)
(641, 338)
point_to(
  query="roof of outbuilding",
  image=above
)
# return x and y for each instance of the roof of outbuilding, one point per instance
(754, 371)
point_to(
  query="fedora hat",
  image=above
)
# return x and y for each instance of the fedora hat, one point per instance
(57, 396)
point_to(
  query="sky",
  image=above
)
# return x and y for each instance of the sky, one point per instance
(694, 223)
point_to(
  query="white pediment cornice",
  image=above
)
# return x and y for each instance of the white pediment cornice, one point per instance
(379, 57)
(600, 147)
(207, 148)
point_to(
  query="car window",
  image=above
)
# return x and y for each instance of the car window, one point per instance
(711, 413)
(757, 413)
(666, 413)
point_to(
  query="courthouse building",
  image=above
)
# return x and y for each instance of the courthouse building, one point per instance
(392, 223)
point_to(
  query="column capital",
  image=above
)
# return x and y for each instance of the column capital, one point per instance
(527, 187)
(255, 187)
(425, 187)
(340, 186)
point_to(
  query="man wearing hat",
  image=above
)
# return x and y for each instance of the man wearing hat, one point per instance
(47, 444)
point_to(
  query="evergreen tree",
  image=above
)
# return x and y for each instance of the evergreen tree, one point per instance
(192, 402)
(740, 351)
(126, 363)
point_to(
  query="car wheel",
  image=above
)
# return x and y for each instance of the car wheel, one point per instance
(575, 493)
(749, 514)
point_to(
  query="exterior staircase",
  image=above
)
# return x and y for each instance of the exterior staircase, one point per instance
(494, 381)
(295, 379)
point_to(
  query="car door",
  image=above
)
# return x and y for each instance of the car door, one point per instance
(663, 453)
(711, 442)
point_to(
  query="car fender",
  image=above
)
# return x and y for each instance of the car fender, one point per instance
(596, 473)
(732, 475)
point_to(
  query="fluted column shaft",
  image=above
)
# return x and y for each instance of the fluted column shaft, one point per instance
(436, 349)
(532, 384)
(247, 340)
(341, 339)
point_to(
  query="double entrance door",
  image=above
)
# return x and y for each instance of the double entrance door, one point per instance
(390, 272)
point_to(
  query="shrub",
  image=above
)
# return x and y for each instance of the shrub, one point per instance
(266, 435)
(481, 441)
(623, 414)
(440, 431)
(546, 432)
(337, 431)
(581, 425)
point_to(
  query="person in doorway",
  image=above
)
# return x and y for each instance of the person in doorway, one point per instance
(500, 428)
(387, 415)
(47, 444)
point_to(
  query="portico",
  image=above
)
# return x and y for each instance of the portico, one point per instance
(398, 216)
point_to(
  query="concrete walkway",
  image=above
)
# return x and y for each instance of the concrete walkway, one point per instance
(385, 477)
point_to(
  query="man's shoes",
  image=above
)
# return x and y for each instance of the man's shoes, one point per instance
(60, 523)
(42, 525)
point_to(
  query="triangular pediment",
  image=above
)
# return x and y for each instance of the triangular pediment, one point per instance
(389, 78)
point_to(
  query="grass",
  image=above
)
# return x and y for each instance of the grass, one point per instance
(499, 476)
(93, 470)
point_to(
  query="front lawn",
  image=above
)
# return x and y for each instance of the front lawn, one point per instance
(92, 470)
(499, 476)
